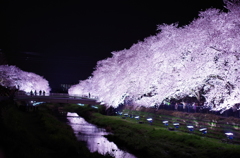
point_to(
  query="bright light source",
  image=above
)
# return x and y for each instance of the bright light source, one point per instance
(191, 128)
(203, 130)
(149, 119)
(137, 117)
(37, 103)
(165, 123)
(176, 125)
(229, 135)
(80, 104)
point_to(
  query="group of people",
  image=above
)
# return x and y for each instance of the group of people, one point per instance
(35, 93)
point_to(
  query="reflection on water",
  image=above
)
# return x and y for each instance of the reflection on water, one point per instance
(94, 138)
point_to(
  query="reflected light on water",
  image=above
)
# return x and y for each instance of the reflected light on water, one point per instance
(94, 137)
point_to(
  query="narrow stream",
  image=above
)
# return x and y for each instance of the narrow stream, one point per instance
(94, 137)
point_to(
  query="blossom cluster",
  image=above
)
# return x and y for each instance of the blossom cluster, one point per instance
(201, 59)
(13, 77)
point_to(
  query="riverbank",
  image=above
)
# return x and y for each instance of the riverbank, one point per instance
(37, 134)
(145, 140)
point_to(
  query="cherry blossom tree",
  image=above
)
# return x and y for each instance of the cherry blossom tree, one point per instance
(201, 59)
(13, 77)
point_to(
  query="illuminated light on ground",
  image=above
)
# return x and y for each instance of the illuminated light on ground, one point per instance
(80, 104)
(229, 135)
(176, 125)
(95, 107)
(150, 120)
(165, 123)
(190, 128)
(126, 115)
(37, 103)
(203, 130)
(137, 117)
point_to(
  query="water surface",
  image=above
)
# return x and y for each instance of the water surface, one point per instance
(94, 137)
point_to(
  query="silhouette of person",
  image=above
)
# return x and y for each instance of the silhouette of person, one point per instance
(31, 93)
(43, 92)
(40, 92)
(35, 92)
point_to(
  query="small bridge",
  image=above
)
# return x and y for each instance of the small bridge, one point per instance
(56, 98)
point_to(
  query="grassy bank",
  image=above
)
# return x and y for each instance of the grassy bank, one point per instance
(146, 140)
(37, 134)
(216, 124)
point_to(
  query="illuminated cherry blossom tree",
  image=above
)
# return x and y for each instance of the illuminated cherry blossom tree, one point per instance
(13, 77)
(201, 59)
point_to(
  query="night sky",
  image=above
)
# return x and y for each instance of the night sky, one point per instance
(63, 40)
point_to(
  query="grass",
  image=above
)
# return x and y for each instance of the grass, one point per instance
(38, 134)
(156, 140)
(216, 125)
(41, 134)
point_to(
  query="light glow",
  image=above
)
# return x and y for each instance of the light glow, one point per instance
(165, 122)
(37, 103)
(176, 124)
(13, 77)
(202, 129)
(175, 63)
(229, 134)
(136, 117)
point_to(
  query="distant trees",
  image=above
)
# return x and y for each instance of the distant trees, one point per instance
(13, 77)
(201, 59)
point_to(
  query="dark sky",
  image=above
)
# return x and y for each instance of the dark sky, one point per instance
(63, 40)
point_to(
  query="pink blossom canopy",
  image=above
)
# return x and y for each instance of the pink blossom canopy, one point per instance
(12, 76)
(202, 58)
